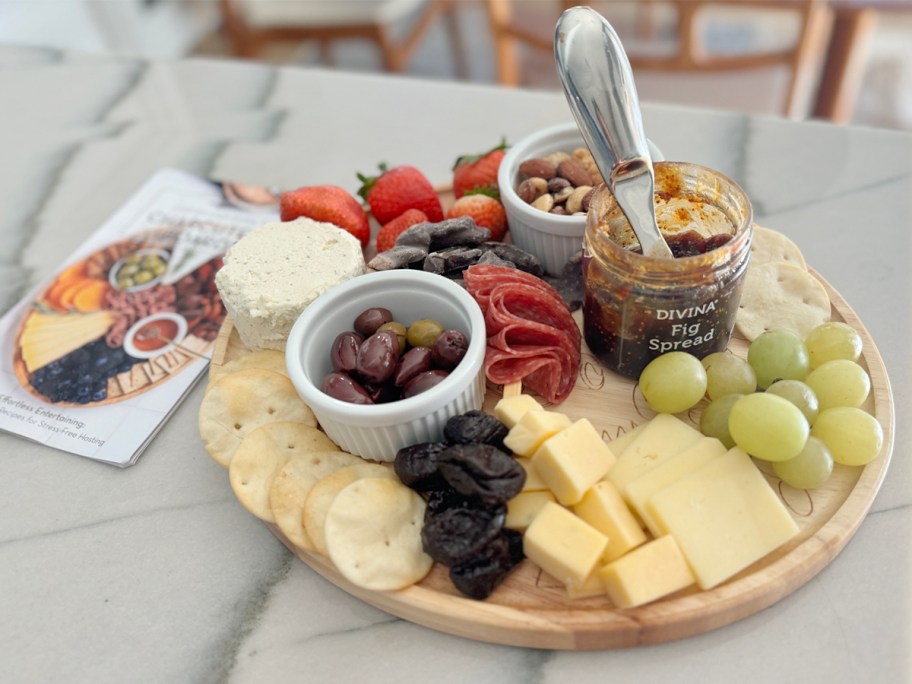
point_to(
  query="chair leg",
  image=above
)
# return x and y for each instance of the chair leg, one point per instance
(506, 50)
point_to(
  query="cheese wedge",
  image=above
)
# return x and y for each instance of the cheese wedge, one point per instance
(663, 437)
(47, 337)
(640, 490)
(724, 516)
(647, 573)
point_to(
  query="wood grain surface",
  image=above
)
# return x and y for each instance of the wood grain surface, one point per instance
(530, 609)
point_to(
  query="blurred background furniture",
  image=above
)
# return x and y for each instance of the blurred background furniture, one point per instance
(764, 53)
(252, 25)
(855, 24)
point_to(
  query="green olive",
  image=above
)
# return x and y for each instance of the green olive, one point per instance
(143, 277)
(400, 331)
(128, 270)
(424, 332)
(124, 283)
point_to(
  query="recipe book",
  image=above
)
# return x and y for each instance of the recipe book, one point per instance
(95, 359)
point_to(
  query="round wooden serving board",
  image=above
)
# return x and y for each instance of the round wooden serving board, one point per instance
(530, 609)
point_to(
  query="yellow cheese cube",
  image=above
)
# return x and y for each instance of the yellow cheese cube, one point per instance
(604, 508)
(509, 410)
(724, 517)
(639, 491)
(663, 437)
(533, 429)
(523, 507)
(647, 573)
(621, 442)
(572, 461)
(563, 545)
(534, 482)
(591, 586)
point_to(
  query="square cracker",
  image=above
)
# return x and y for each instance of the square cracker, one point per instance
(781, 295)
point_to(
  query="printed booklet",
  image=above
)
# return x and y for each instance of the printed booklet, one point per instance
(94, 360)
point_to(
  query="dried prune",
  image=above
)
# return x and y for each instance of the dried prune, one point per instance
(457, 535)
(416, 466)
(477, 578)
(439, 500)
(475, 426)
(483, 471)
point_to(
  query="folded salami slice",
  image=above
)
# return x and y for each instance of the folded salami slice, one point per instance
(531, 334)
(480, 279)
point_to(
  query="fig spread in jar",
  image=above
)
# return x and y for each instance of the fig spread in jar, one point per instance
(636, 307)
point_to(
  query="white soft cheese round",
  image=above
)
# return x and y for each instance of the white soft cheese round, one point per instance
(273, 273)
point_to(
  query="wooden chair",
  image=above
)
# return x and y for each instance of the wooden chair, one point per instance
(684, 50)
(252, 25)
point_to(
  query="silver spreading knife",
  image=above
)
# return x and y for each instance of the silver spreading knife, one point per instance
(598, 82)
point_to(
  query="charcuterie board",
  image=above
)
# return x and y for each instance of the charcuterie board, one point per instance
(529, 609)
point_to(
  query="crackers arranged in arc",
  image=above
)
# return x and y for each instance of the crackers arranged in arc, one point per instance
(576, 493)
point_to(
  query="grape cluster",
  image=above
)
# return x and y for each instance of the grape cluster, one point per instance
(794, 402)
(81, 377)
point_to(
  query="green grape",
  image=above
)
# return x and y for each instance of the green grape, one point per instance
(673, 382)
(728, 374)
(833, 340)
(714, 419)
(839, 382)
(768, 427)
(778, 355)
(809, 469)
(800, 394)
(853, 436)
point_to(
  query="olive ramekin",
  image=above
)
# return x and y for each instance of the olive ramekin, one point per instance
(378, 431)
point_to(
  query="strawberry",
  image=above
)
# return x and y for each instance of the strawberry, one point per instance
(398, 189)
(386, 238)
(327, 203)
(478, 170)
(484, 209)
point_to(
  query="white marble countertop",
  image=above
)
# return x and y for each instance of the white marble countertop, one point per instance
(156, 574)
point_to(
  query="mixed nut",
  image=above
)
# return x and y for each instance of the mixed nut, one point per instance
(559, 183)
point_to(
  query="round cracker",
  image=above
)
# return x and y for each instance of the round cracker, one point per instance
(769, 246)
(241, 402)
(321, 497)
(261, 455)
(373, 534)
(293, 483)
(268, 359)
(781, 295)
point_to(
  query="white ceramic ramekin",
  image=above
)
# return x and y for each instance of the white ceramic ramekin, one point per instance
(552, 238)
(378, 431)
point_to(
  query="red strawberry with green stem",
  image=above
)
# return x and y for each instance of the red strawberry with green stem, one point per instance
(386, 238)
(327, 203)
(396, 190)
(478, 170)
(485, 209)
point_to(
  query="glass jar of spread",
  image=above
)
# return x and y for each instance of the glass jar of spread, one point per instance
(636, 307)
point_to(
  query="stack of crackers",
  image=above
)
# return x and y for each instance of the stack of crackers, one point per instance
(779, 291)
(287, 472)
